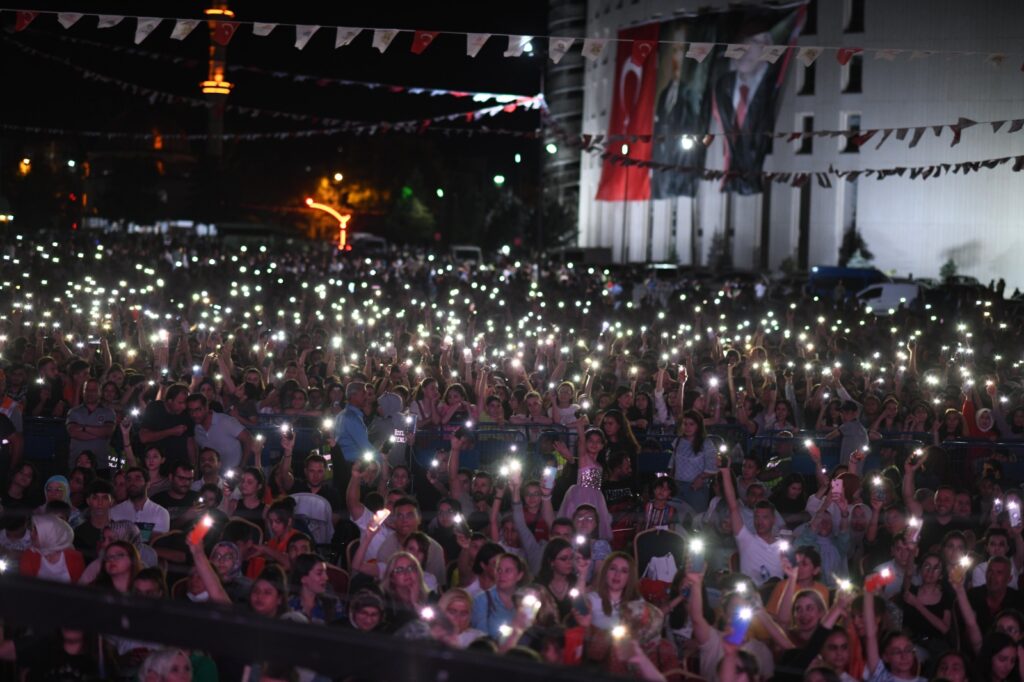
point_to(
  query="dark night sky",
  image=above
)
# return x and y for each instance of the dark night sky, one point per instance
(41, 92)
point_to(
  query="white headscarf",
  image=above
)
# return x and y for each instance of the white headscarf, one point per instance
(53, 534)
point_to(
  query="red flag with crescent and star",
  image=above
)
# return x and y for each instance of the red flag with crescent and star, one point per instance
(632, 115)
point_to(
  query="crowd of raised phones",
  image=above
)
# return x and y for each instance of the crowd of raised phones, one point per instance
(662, 477)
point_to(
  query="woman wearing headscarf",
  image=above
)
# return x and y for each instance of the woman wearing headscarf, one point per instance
(58, 489)
(226, 559)
(52, 555)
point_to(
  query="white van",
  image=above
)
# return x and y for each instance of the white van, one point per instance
(885, 297)
(464, 253)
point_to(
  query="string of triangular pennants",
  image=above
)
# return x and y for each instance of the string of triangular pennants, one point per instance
(794, 178)
(558, 46)
(317, 80)
(857, 137)
(366, 129)
(159, 96)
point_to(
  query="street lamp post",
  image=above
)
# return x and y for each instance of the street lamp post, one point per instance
(342, 220)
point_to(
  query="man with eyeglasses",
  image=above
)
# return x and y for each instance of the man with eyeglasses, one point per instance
(179, 499)
(404, 521)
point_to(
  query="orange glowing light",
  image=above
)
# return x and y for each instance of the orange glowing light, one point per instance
(342, 221)
(217, 12)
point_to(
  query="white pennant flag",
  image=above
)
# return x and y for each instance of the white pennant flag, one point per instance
(736, 51)
(382, 38)
(887, 55)
(771, 53)
(807, 55)
(475, 41)
(183, 27)
(699, 51)
(517, 45)
(593, 47)
(109, 20)
(345, 35)
(144, 27)
(262, 30)
(68, 19)
(303, 34)
(558, 47)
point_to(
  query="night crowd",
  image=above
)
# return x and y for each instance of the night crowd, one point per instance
(638, 472)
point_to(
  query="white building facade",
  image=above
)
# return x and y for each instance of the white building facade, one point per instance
(911, 226)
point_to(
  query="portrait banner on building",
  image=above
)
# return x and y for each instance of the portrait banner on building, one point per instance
(731, 94)
(632, 113)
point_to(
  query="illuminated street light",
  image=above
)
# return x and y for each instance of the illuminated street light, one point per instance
(342, 221)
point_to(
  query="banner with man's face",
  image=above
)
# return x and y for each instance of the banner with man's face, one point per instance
(729, 92)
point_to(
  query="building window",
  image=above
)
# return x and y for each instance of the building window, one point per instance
(811, 20)
(853, 15)
(853, 75)
(805, 145)
(805, 79)
(852, 124)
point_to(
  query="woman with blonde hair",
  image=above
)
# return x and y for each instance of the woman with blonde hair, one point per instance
(457, 605)
(405, 591)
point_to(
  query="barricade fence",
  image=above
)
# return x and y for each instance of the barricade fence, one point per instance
(46, 439)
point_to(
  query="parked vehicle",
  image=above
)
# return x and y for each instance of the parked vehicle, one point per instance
(824, 280)
(887, 297)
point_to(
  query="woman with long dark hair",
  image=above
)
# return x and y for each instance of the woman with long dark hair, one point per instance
(559, 574)
(694, 462)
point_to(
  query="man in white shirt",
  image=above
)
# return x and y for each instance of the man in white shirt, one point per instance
(759, 550)
(151, 518)
(225, 434)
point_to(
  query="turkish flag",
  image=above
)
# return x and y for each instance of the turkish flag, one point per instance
(421, 40)
(23, 19)
(223, 32)
(632, 114)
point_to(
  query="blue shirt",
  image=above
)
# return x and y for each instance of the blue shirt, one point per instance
(490, 613)
(350, 433)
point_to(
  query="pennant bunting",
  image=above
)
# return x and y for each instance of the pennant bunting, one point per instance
(382, 38)
(109, 21)
(845, 54)
(885, 136)
(901, 133)
(771, 53)
(144, 26)
(183, 28)
(223, 32)
(474, 42)
(807, 55)
(1017, 124)
(699, 51)
(736, 51)
(996, 125)
(68, 19)
(516, 46)
(421, 40)
(557, 47)
(262, 29)
(642, 49)
(593, 47)
(887, 55)
(918, 134)
(345, 36)
(23, 19)
(303, 32)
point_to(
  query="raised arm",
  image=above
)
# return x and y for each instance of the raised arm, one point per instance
(729, 491)
(701, 628)
(913, 506)
(283, 471)
(871, 633)
(970, 619)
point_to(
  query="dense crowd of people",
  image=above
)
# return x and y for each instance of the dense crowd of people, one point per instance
(659, 475)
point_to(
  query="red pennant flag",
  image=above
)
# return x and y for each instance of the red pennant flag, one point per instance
(642, 49)
(421, 40)
(224, 32)
(845, 54)
(24, 19)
